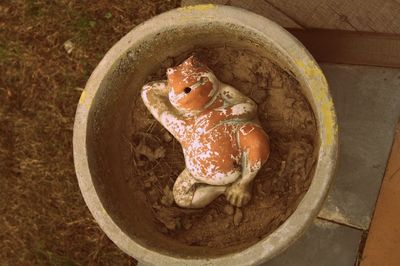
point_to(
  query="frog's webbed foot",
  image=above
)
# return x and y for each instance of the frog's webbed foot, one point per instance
(238, 194)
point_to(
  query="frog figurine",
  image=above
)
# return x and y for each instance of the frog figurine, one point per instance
(223, 144)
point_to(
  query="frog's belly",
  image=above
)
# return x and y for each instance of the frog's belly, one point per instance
(213, 157)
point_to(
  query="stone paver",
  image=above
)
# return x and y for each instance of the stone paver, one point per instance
(367, 101)
(325, 243)
(383, 243)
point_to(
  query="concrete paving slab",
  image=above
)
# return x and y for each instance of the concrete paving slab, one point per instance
(367, 101)
(326, 243)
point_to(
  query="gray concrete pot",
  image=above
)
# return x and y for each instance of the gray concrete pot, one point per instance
(101, 151)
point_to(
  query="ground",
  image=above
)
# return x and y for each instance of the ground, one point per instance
(44, 220)
(47, 51)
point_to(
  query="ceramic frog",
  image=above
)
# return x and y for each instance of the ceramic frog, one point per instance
(223, 144)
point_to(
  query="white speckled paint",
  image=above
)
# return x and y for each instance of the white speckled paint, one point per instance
(221, 120)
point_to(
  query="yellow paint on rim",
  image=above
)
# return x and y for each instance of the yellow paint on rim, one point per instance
(203, 7)
(83, 97)
(318, 83)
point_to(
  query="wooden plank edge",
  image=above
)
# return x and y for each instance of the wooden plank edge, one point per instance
(348, 47)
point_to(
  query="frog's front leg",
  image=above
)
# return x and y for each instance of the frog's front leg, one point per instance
(239, 193)
(240, 106)
(155, 97)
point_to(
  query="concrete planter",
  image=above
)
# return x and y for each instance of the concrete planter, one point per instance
(100, 150)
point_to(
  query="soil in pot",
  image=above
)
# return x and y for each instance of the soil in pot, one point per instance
(278, 188)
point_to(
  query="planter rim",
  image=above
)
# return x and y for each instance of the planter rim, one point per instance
(307, 69)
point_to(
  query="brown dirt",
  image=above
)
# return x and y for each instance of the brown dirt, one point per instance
(43, 218)
(287, 118)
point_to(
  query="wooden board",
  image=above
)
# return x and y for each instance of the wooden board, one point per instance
(369, 15)
(383, 242)
(330, 46)
(346, 47)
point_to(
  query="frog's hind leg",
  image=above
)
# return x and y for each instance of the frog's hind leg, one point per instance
(189, 193)
(254, 144)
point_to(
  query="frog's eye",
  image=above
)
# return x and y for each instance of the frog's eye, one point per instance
(187, 90)
(170, 71)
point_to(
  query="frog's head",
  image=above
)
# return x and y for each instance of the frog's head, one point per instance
(192, 85)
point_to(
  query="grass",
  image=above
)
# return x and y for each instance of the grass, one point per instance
(44, 220)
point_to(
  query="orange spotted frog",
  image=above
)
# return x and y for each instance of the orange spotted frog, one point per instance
(223, 144)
